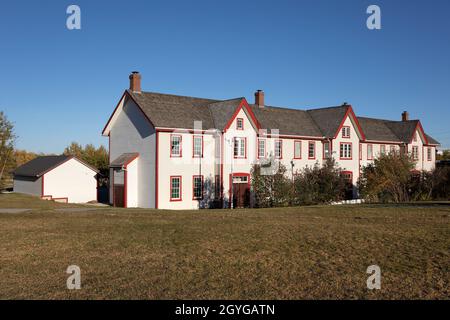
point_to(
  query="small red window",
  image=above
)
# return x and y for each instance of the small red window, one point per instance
(240, 124)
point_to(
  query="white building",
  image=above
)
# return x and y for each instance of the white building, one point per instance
(177, 152)
(60, 178)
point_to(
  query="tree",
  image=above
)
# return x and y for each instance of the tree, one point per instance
(96, 157)
(389, 178)
(7, 140)
(270, 189)
(444, 156)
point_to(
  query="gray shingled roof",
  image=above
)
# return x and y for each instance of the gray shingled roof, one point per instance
(376, 129)
(40, 165)
(172, 111)
(431, 140)
(287, 121)
(328, 119)
(123, 159)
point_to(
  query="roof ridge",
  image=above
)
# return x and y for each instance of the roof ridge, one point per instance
(175, 95)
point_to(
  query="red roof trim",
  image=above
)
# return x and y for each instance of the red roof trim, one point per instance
(420, 128)
(243, 104)
(126, 93)
(350, 112)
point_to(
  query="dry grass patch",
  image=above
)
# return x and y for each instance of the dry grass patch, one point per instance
(286, 253)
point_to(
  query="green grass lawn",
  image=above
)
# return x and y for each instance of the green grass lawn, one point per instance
(318, 252)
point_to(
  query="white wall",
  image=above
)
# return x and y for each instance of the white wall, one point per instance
(72, 180)
(28, 186)
(185, 166)
(131, 132)
(132, 184)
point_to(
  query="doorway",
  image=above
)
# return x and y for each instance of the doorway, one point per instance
(240, 188)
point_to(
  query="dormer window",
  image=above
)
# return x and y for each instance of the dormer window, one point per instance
(346, 132)
(239, 124)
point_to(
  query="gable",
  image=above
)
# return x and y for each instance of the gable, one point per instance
(350, 118)
(243, 109)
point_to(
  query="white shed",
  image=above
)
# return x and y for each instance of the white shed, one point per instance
(60, 178)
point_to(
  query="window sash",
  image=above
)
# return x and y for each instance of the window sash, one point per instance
(369, 152)
(311, 150)
(346, 132)
(297, 149)
(326, 150)
(239, 148)
(278, 149)
(175, 146)
(415, 152)
(429, 154)
(240, 124)
(198, 146)
(198, 187)
(346, 151)
(261, 148)
(175, 188)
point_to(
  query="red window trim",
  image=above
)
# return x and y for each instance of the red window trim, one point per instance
(412, 151)
(360, 151)
(257, 148)
(193, 185)
(371, 147)
(181, 146)
(351, 153)
(245, 148)
(342, 130)
(298, 141)
(429, 154)
(193, 146)
(312, 143)
(383, 145)
(323, 149)
(281, 149)
(181, 189)
(349, 173)
(237, 120)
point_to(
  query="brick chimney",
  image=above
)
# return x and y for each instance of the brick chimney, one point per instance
(259, 98)
(405, 116)
(135, 82)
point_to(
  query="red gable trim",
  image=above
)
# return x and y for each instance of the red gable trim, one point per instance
(127, 94)
(350, 112)
(243, 104)
(419, 127)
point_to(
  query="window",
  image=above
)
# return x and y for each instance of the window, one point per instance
(369, 152)
(217, 188)
(360, 151)
(326, 150)
(240, 124)
(311, 150)
(382, 149)
(197, 187)
(261, 148)
(197, 147)
(175, 188)
(346, 132)
(346, 151)
(415, 152)
(297, 149)
(278, 149)
(239, 148)
(429, 154)
(392, 149)
(175, 146)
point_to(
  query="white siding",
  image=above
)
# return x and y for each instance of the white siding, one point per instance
(132, 184)
(72, 180)
(131, 132)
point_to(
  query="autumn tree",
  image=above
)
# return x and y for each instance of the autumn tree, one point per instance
(7, 140)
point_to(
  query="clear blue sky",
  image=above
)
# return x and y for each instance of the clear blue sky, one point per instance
(59, 86)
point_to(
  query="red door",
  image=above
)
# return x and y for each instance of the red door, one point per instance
(240, 190)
